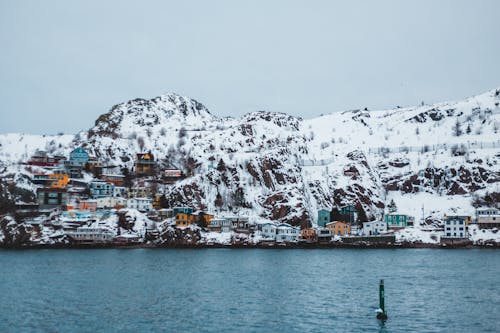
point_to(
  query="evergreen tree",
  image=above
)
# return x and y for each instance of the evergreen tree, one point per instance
(392, 207)
(457, 128)
(218, 201)
(468, 130)
(361, 213)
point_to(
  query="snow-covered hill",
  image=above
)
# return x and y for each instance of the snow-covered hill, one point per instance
(284, 168)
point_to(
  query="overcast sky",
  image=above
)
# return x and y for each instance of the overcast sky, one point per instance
(63, 63)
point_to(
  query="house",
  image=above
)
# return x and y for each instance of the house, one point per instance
(117, 180)
(111, 202)
(456, 226)
(88, 205)
(267, 231)
(219, 224)
(339, 228)
(119, 191)
(488, 218)
(42, 159)
(240, 224)
(141, 204)
(100, 189)
(165, 213)
(396, 220)
(140, 191)
(308, 235)
(374, 228)
(127, 239)
(58, 180)
(78, 157)
(40, 179)
(324, 235)
(323, 217)
(145, 164)
(206, 217)
(91, 235)
(350, 212)
(286, 233)
(172, 175)
(185, 210)
(49, 198)
(184, 220)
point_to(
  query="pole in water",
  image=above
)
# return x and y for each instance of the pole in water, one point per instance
(381, 313)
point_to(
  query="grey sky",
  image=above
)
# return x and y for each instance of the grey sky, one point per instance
(63, 63)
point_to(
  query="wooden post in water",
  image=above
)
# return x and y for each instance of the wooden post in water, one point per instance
(381, 313)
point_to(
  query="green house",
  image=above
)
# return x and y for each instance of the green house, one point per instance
(398, 220)
(323, 217)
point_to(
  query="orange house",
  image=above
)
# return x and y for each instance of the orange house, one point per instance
(88, 205)
(58, 180)
(308, 234)
(183, 219)
(339, 228)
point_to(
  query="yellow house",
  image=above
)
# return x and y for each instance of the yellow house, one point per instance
(183, 219)
(339, 228)
(58, 180)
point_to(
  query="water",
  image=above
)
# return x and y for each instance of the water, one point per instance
(231, 290)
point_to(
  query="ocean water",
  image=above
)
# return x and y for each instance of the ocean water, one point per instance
(248, 290)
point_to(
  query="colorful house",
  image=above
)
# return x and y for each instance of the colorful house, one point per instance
(100, 189)
(309, 235)
(183, 219)
(58, 180)
(145, 164)
(78, 157)
(185, 210)
(49, 198)
(396, 220)
(339, 228)
(87, 205)
(42, 159)
(323, 217)
(456, 226)
(117, 180)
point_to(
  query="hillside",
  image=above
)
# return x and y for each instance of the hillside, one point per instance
(278, 167)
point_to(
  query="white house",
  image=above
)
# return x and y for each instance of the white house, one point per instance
(487, 218)
(220, 224)
(286, 233)
(141, 204)
(92, 235)
(374, 228)
(111, 202)
(267, 230)
(456, 227)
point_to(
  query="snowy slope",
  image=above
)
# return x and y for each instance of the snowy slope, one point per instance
(286, 168)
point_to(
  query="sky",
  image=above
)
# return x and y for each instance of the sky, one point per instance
(63, 63)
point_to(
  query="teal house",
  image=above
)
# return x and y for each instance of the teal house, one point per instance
(350, 212)
(398, 220)
(323, 217)
(79, 156)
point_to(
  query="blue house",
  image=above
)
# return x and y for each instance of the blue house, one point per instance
(323, 217)
(185, 210)
(79, 156)
(101, 189)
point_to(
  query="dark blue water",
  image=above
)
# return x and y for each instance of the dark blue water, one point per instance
(224, 290)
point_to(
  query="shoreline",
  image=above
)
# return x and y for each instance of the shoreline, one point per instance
(252, 246)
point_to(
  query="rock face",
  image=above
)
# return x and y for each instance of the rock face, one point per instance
(285, 168)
